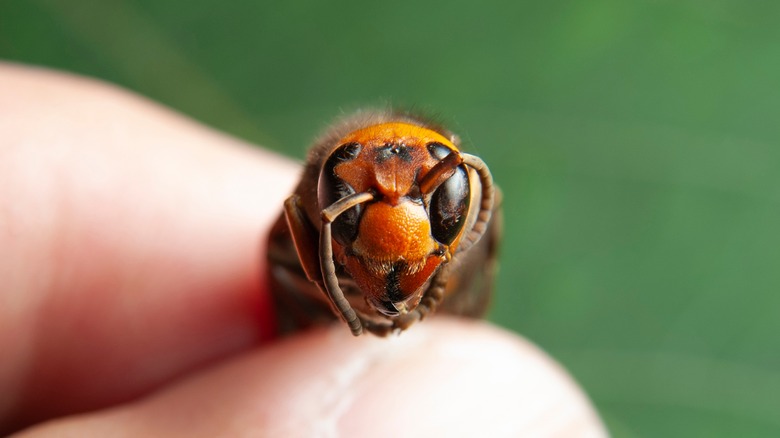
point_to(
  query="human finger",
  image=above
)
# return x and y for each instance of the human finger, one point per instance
(130, 244)
(446, 377)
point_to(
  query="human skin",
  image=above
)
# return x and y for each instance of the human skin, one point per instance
(134, 300)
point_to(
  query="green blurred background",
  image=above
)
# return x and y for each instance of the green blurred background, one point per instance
(636, 143)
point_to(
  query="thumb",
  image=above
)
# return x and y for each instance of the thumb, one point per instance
(445, 378)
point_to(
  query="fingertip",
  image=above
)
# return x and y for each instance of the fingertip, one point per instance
(466, 378)
(441, 378)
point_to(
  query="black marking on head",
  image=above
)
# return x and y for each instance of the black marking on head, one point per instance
(393, 290)
(347, 151)
(391, 150)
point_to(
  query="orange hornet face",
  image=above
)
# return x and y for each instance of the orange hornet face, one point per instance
(392, 244)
